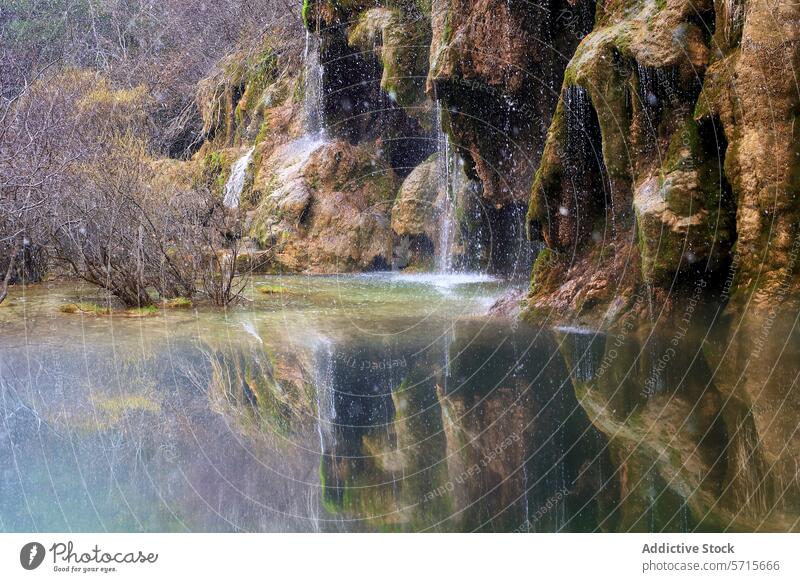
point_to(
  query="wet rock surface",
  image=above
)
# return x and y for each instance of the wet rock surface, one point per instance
(650, 170)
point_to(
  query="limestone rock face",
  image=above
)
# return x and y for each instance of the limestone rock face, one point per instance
(648, 142)
(415, 214)
(400, 43)
(374, 62)
(324, 208)
(415, 211)
(685, 216)
(672, 154)
(757, 103)
(403, 74)
(495, 65)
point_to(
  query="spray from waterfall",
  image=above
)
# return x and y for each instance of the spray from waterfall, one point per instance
(235, 183)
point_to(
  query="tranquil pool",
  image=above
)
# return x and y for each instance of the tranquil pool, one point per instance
(386, 402)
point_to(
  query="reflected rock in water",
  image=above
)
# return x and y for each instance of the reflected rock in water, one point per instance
(757, 364)
(521, 452)
(486, 437)
(264, 389)
(697, 441)
(388, 438)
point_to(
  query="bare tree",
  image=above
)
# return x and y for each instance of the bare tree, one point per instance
(113, 229)
(90, 90)
(32, 160)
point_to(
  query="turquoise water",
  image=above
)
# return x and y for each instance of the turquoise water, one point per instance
(379, 402)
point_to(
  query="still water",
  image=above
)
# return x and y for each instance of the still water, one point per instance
(387, 402)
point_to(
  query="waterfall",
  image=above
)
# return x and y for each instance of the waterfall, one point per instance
(733, 16)
(313, 106)
(448, 173)
(235, 183)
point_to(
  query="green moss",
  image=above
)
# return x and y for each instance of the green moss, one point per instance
(305, 13)
(424, 7)
(178, 303)
(256, 73)
(691, 186)
(215, 171)
(87, 308)
(399, 37)
(263, 130)
(142, 311)
(548, 175)
(541, 266)
(299, 88)
(716, 85)
(111, 410)
(447, 32)
(271, 289)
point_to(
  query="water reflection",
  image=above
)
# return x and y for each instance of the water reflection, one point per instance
(379, 404)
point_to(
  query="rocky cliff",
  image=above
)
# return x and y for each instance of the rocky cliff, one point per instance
(670, 161)
(642, 147)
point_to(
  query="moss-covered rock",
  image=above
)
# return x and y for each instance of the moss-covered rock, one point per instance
(686, 215)
(494, 66)
(415, 215)
(678, 166)
(325, 207)
(232, 100)
(262, 390)
(402, 47)
(414, 212)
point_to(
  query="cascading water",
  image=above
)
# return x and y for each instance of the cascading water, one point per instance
(733, 18)
(443, 251)
(313, 96)
(292, 157)
(588, 191)
(315, 130)
(235, 183)
(324, 388)
(448, 186)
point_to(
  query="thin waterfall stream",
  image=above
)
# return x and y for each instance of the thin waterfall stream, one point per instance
(448, 178)
(235, 184)
(313, 90)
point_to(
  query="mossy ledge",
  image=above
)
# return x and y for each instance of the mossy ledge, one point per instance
(649, 137)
